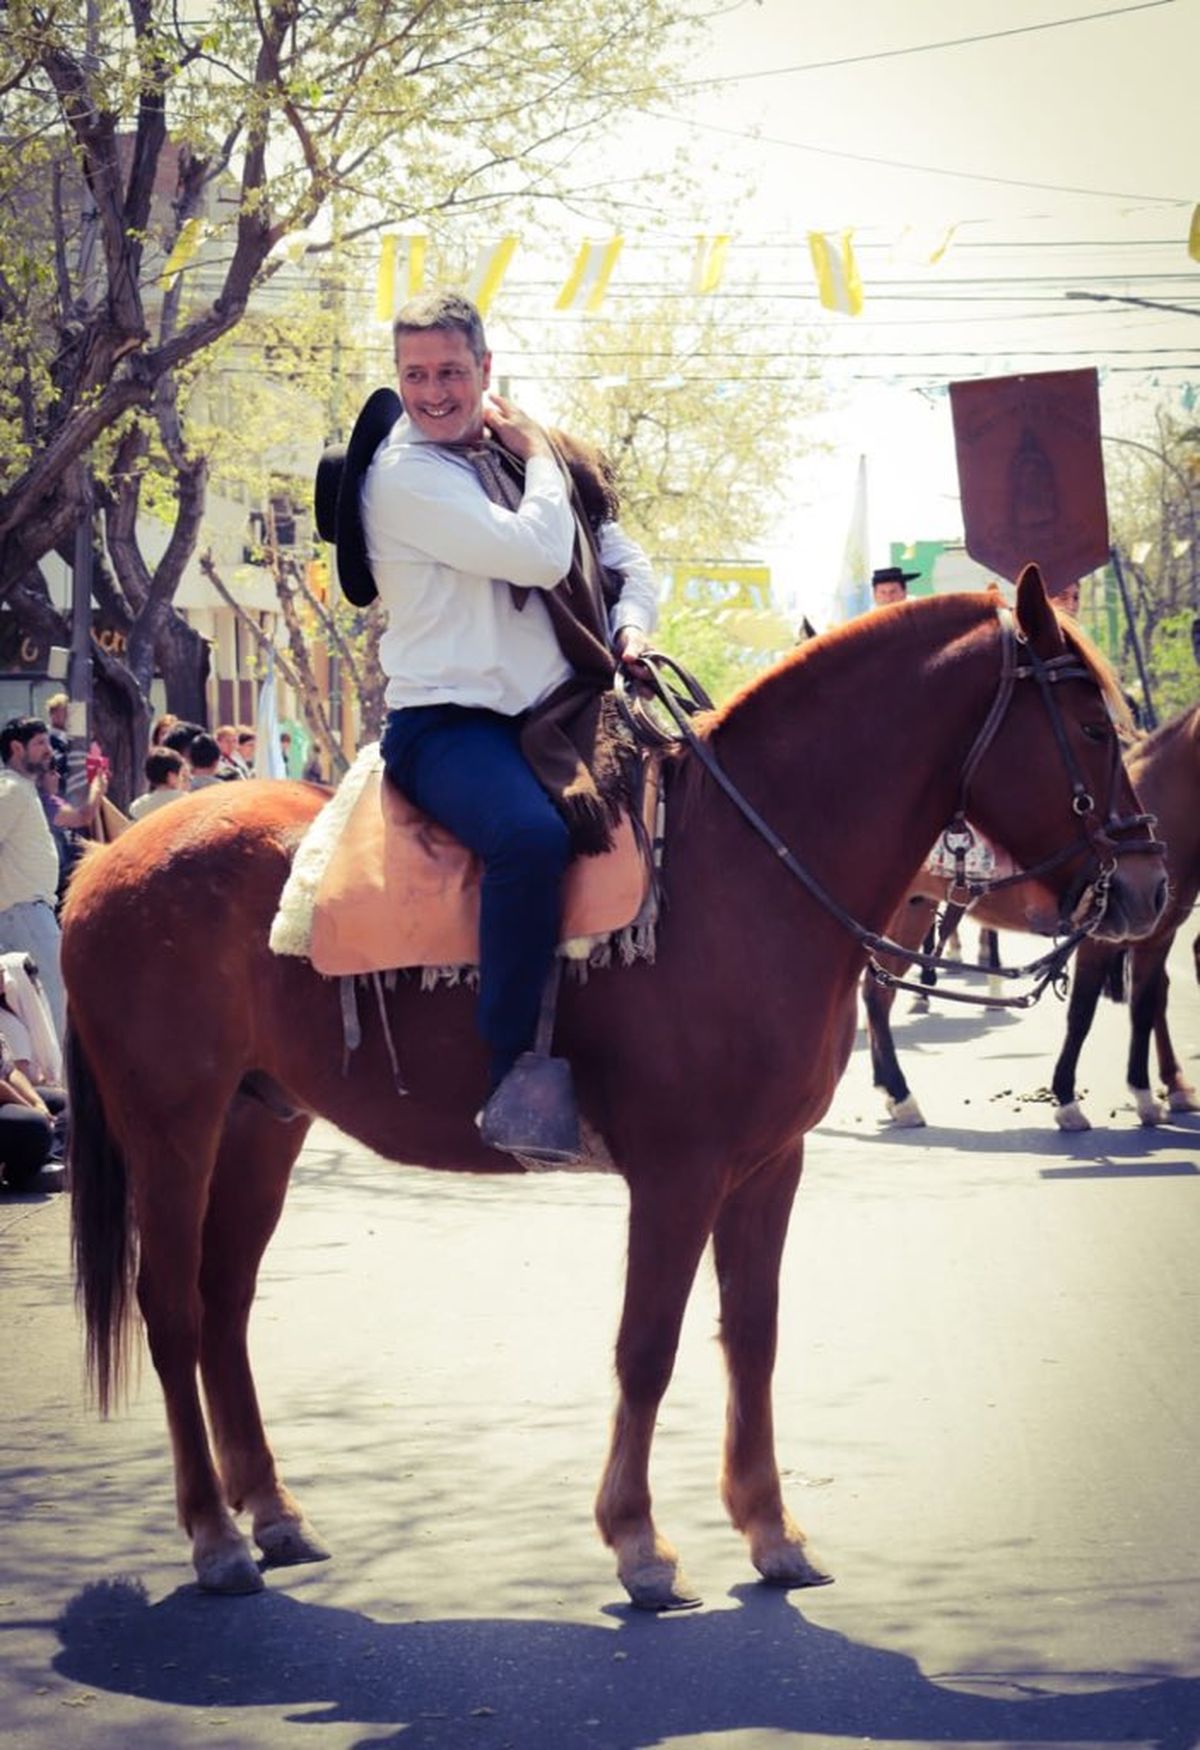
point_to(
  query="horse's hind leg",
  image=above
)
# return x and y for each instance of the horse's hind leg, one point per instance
(748, 1242)
(170, 1164)
(667, 1235)
(254, 1162)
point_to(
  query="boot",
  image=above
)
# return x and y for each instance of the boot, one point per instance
(533, 1111)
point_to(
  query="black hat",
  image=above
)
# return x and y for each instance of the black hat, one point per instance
(893, 574)
(340, 474)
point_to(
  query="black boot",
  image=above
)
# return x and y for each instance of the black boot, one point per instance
(533, 1111)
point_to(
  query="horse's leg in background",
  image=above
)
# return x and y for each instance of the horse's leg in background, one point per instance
(748, 1243)
(254, 1162)
(989, 954)
(1094, 965)
(1148, 1014)
(927, 977)
(669, 1225)
(171, 1155)
(1181, 1095)
(906, 927)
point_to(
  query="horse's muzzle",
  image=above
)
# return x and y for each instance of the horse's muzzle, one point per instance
(1130, 894)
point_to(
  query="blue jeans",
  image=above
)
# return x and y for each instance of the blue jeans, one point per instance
(464, 766)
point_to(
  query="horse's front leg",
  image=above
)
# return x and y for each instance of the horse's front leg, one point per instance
(669, 1225)
(748, 1241)
(249, 1184)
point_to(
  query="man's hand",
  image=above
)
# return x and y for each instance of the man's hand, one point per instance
(630, 644)
(520, 435)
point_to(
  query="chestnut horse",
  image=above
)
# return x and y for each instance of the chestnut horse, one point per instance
(1165, 771)
(701, 1071)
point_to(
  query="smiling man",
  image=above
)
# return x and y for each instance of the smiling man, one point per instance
(505, 606)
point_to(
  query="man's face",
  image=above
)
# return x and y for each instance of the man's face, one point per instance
(887, 592)
(227, 742)
(33, 756)
(58, 716)
(1068, 600)
(442, 384)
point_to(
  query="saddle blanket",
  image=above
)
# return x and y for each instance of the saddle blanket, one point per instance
(377, 886)
(985, 861)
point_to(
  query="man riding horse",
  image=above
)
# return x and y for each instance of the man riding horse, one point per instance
(507, 610)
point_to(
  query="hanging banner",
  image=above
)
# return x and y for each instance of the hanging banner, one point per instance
(491, 265)
(1031, 474)
(401, 274)
(838, 284)
(708, 264)
(589, 277)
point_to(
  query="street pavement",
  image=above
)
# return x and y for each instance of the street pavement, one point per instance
(986, 1413)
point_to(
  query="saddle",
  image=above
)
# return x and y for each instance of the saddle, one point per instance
(377, 886)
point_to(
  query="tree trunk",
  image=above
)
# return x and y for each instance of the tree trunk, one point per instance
(184, 663)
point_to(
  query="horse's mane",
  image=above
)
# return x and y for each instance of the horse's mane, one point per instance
(834, 646)
(1102, 671)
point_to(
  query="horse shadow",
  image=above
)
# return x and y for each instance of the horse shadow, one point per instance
(628, 1684)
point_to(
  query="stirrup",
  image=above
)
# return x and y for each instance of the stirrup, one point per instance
(533, 1111)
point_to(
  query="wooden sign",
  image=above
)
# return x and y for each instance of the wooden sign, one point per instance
(1031, 475)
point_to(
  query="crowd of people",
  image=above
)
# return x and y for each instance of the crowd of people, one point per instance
(42, 836)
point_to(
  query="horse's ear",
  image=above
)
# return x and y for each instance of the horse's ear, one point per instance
(1035, 616)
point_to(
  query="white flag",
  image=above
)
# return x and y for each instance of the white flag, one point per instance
(268, 753)
(853, 594)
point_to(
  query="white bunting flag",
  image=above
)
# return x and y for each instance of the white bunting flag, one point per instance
(833, 261)
(708, 264)
(401, 273)
(589, 277)
(491, 264)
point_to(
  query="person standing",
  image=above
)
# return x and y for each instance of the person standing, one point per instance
(492, 584)
(890, 584)
(29, 858)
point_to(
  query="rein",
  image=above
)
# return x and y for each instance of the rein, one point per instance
(684, 701)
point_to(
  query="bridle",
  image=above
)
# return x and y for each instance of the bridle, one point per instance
(1107, 836)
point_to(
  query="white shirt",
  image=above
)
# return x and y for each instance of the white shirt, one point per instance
(443, 557)
(152, 801)
(28, 857)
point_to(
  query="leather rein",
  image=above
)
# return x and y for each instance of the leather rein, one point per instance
(1105, 837)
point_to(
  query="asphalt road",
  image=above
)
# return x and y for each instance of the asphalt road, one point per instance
(987, 1412)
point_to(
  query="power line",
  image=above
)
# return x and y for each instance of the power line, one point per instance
(955, 42)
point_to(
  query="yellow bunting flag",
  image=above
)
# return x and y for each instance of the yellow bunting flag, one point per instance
(837, 271)
(491, 264)
(185, 246)
(1194, 235)
(589, 277)
(708, 264)
(401, 273)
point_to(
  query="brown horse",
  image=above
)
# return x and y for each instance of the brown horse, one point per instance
(702, 1071)
(1165, 771)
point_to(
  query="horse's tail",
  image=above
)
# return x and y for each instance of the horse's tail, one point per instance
(103, 1236)
(1116, 977)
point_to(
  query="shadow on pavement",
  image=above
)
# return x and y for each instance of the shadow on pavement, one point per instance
(538, 1685)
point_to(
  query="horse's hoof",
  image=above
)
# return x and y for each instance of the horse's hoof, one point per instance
(232, 1572)
(288, 1542)
(790, 1564)
(905, 1113)
(1071, 1117)
(919, 1005)
(1149, 1110)
(660, 1585)
(1183, 1100)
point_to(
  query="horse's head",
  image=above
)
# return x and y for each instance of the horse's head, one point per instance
(1050, 785)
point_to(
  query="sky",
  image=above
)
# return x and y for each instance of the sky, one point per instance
(1057, 152)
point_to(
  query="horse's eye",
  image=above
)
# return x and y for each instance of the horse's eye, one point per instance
(1097, 731)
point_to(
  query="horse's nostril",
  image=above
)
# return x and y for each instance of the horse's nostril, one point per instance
(1160, 897)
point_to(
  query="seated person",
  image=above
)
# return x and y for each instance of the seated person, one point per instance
(26, 1125)
(462, 520)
